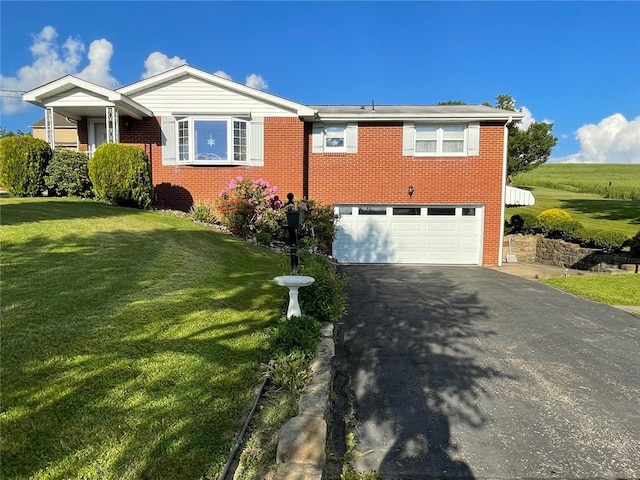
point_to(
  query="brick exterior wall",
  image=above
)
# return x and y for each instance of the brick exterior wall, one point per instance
(180, 186)
(379, 173)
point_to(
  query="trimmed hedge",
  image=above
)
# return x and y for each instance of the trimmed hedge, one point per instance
(525, 223)
(68, 174)
(121, 175)
(23, 162)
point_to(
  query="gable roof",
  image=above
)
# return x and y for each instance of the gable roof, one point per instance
(42, 95)
(189, 71)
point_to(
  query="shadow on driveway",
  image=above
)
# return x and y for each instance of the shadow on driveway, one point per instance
(408, 347)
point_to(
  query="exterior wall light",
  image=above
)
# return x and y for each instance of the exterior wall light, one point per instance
(410, 191)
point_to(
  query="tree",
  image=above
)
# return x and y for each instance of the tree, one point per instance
(527, 148)
(452, 102)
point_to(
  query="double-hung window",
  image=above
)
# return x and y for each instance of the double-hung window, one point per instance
(335, 138)
(212, 140)
(440, 140)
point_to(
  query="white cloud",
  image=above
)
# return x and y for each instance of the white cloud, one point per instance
(52, 61)
(158, 62)
(527, 120)
(614, 140)
(256, 81)
(100, 53)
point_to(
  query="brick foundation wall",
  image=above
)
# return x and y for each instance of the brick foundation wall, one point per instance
(379, 173)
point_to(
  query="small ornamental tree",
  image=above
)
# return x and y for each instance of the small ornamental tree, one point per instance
(121, 175)
(68, 174)
(23, 161)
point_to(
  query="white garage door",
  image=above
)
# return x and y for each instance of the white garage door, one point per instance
(442, 234)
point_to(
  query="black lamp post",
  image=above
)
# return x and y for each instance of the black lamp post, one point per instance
(294, 221)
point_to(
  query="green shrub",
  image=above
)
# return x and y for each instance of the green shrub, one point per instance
(289, 370)
(202, 212)
(319, 227)
(23, 162)
(68, 174)
(121, 174)
(325, 298)
(296, 333)
(552, 216)
(525, 223)
(603, 239)
(568, 230)
(634, 245)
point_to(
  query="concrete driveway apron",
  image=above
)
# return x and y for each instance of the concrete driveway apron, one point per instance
(466, 372)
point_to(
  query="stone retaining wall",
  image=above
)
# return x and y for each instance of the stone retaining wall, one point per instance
(537, 249)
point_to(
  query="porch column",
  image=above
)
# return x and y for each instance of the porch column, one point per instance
(113, 132)
(49, 128)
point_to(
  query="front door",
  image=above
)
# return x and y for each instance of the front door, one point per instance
(97, 134)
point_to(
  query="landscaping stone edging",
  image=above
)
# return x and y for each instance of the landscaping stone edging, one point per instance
(301, 453)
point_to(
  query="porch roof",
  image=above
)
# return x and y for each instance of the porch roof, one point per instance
(74, 98)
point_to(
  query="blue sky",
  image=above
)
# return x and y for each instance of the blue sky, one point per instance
(576, 64)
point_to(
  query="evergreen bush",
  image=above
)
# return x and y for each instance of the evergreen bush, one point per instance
(68, 174)
(525, 223)
(121, 175)
(602, 239)
(634, 245)
(23, 162)
(552, 216)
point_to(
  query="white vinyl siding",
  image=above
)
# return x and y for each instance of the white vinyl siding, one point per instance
(196, 96)
(334, 138)
(424, 140)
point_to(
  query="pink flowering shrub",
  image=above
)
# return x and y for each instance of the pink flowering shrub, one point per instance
(241, 205)
(252, 208)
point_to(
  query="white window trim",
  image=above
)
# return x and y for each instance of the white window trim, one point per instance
(230, 145)
(440, 141)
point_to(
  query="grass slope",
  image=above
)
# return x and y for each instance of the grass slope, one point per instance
(608, 181)
(129, 342)
(591, 210)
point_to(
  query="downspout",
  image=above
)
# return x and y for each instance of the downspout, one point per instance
(504, 188)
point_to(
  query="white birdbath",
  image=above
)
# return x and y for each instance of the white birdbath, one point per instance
(293, 282)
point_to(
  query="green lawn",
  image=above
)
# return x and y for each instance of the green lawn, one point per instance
(606, 180)
(591, 210)
(130, 341)
(621, 289)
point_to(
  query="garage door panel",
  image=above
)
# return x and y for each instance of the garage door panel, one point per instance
(441, 227)
(441, 239)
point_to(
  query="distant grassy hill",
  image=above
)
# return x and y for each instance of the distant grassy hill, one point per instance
(609, 181)
(598, 196)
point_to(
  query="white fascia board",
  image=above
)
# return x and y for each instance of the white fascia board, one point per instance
(67, 82)
(373, 116)
(186, 70)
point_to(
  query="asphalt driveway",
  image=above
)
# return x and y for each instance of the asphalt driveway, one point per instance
(466, 372)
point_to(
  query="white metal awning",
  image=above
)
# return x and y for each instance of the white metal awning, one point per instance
(518, 196)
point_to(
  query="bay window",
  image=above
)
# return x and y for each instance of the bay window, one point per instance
(212, 140)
